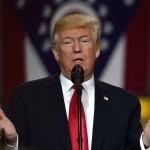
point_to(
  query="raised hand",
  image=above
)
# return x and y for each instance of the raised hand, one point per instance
(146, 134)
(7, 130)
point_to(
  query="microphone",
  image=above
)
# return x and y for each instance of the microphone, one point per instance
(77, 75)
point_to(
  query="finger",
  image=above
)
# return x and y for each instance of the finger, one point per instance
(148, 123)
(2, 134)
(2, 131)
(1, 122)
(1, 114)
(1, 111)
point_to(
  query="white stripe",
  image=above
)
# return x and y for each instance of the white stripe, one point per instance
(115, 68)
(35, 68)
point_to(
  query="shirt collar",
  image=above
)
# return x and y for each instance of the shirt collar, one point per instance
(67, 84)
(89, 85)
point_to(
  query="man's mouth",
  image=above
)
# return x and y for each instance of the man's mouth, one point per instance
(78, 60)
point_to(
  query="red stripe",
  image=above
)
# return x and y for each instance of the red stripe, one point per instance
(13, 50)
(137, 50)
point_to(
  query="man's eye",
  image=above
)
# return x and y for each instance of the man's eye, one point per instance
(84, 40)
(67, 42)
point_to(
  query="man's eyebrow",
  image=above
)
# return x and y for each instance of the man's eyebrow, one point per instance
(69, 37)
(84, 36)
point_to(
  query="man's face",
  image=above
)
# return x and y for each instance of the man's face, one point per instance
(76, 47)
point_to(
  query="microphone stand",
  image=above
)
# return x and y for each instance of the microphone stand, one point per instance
(79, 91)
(77, 77)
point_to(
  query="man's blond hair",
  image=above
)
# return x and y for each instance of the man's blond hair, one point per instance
(76, 21)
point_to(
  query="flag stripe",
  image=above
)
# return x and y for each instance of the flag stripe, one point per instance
(137, 50)
(13, 50)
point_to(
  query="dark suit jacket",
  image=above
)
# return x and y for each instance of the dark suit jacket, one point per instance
(38, 112)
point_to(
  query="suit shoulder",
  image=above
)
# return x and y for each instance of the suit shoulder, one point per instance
(116, 91)
(36, 84)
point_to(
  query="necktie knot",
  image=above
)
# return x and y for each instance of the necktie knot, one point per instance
(74, 87)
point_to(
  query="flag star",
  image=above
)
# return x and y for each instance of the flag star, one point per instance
(108, 28)
(103, 11)
(104, 44)
(21, 4)
(128, 2)
(43, 29)
(46, 45)
(47, 11)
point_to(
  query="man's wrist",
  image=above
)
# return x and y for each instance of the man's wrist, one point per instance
(145, 141)
(14, 143)
(146, 147)
(11, 146)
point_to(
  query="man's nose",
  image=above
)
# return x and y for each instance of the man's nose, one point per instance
(77, 47)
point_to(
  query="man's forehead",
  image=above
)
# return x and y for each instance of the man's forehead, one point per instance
(75, 32)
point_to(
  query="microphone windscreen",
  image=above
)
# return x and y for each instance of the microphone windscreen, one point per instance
(77, 75)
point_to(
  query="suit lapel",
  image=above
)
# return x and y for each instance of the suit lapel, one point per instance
(59, 112)
(101, 116)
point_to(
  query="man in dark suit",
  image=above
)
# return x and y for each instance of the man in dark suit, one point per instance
(39, 109)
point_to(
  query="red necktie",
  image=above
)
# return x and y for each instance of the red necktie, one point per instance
(73, 123)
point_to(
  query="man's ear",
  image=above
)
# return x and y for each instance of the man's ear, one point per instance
(55, 53)
(97, 51)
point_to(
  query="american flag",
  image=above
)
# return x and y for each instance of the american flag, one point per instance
(31, 22)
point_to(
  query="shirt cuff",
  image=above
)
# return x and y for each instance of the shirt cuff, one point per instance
(10, 147)
(142, 144)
